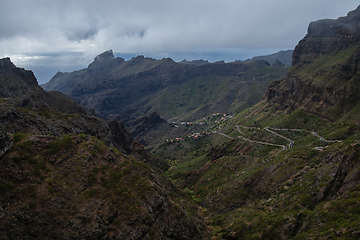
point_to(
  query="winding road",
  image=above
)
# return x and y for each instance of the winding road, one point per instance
(291, 142)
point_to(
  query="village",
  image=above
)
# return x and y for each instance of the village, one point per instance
(211, 121)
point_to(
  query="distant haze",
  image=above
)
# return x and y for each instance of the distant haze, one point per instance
(49, 36)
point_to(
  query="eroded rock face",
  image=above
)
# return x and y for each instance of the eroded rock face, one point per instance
(119, 136)
(145, 123)
(15, 81)
(5, 142)
(324, 77)
(328, 36)
(105, 55)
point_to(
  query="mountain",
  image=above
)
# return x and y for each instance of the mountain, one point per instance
(284, 168)
(194, 62)
(284, 57)
(324, 78)
(287, 167)
(127, 90)
(66, 174)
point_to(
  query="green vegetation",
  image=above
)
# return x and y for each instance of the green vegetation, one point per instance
(283, 168)
(255, 191)
(19, 136)
(57, 145)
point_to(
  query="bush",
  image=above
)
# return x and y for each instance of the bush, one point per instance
(90, 193)
(60, 144)
(19, 136)
(91, 178)
(306, 200)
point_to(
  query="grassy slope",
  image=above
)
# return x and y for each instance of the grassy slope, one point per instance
(142, 86)
(253, 191)
(202, 96)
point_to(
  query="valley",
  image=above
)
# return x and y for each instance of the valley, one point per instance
(189, 150)
(253, 184)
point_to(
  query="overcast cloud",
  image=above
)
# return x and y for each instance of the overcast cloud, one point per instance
(65, 35)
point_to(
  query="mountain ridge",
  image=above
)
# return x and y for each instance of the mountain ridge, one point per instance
(136, 88)
(68, 174)
(284, 57)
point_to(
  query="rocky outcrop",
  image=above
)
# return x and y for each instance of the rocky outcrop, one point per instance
(328, 36)
(120, 137)
(144, 124)
(324, 77)
(15, 81)
(105, 56)
(5, 142)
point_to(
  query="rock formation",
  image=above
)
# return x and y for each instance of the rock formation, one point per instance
(328, 36)
(324, 76)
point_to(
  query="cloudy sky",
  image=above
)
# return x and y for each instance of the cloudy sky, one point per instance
(47, 36)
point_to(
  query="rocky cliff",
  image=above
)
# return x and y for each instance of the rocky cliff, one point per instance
(66, 174)
(328, 36)
(324, 77)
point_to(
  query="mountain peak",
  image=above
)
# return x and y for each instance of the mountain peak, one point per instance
(328, 36)
(104, 60)
(105, 56)
(15, 81)
(317, 82)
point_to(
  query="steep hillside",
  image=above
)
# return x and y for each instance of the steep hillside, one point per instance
(127, 90)
(324, 78)
(66, 174)
(286, 168)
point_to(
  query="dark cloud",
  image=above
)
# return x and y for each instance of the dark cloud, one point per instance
(82, 34)
(65, 33)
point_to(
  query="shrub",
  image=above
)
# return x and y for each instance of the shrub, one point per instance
(19, 136)
(306, 200)
(26, 146)
(91, 178)
(100, 147)
(91, 193)
(82, 136)
(60, 144)
(17, 159)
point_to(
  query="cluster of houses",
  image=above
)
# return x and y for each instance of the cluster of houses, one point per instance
(224, 117)
(193, 136)
(219, 118)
